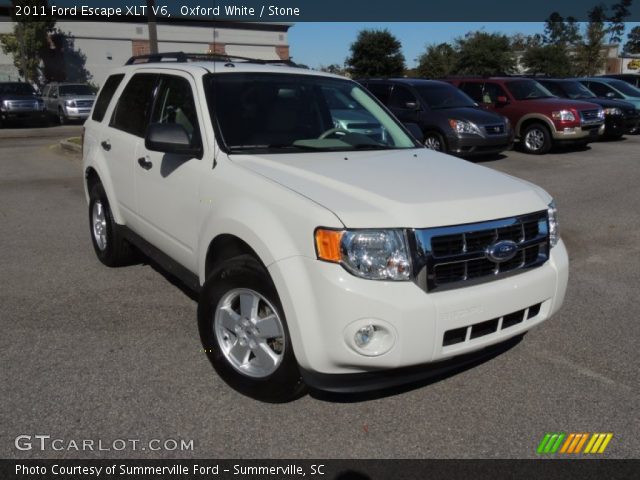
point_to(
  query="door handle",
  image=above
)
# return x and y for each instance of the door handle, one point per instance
(144, 163)
(106, 145)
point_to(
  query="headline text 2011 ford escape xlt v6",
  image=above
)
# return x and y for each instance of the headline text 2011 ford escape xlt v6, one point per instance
(322, 256)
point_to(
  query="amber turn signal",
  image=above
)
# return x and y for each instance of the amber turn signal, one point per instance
(328, 244)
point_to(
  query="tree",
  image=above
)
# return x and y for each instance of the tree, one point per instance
(589, 55)
(29, 40)
(376, 53)
(633, 41)
(560, 30)
(550, 59)
(333, 68)
(437, 61)
(616, 20)
(482, 53)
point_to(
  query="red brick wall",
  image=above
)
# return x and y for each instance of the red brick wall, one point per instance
(283, 52)
(217, 48)
(140, 47)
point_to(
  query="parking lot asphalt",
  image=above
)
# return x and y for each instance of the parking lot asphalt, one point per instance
(88, 352)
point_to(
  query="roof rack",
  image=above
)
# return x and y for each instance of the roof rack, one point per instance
(182, 57)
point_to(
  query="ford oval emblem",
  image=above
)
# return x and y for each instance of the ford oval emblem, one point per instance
(502, 251)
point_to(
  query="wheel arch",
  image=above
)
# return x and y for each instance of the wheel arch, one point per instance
(531, 118)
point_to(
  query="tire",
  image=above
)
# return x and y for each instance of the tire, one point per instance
(536, 139)
(110, 247)
(62, 119)
(435, 141)
(235, 295)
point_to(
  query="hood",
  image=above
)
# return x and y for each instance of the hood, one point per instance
(608, 103)
(559, 103)
(11, 96)
(414, 188)
(476, 115)
(77, 97)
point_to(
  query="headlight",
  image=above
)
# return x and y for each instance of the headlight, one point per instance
(612, 111)
(564, 116)
(601, 114)
(462, 126)
(5, 105)
(370, 254)
(507, 124)
(554, 232)
(70, 103)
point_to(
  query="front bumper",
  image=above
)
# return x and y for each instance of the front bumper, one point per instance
(13, 115)
(77, 113)
(324, 305)
(578, 133)
(472, 145)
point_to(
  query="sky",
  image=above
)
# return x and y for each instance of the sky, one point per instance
(315, 43)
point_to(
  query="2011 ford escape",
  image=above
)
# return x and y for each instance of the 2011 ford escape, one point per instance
(323, 255)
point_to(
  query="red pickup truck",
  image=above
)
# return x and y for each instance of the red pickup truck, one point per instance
(540, 119)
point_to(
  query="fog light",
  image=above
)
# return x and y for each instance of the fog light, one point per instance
(364, 335)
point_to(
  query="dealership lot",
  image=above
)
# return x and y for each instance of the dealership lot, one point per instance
(103, 354)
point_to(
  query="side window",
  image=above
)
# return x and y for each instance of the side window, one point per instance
(380, 91)
(401, 96)
(132, 111)
(474, 90)
(53, 92)
(553, 88)
(45, 90)
(175, 104)
(601, 90)
(491, 92)
(109, 88)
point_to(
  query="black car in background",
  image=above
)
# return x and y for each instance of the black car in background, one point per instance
(451, 121)
(620, 117)
(20, 102)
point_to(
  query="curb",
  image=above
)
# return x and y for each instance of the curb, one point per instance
(73, 147)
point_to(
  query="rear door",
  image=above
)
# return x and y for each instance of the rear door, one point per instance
(404, 104)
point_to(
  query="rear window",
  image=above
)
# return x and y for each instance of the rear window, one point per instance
(105, 96)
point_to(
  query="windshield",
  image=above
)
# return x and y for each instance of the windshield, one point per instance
(527, 90)
(75, 90)
(625, 88)
(281, 113)
(577, 91)
(16, 89)
(444, 96)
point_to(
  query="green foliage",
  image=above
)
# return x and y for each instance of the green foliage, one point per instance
(561, 30)
(616, 20)
(633, 41)
(28, 41)
(482, 53)
(549, 59)
(376, 53)
(438, 61)
(334, 68)
(589, 56)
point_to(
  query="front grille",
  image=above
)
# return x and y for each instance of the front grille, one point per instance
(477, 330)
(494, 129)
(22, 105)
(590, 116)
(457, 256)
(84, 103)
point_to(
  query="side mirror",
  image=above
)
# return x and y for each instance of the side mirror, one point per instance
(610, 95)
(170, 138)
(415, 130)
(412, 106)
(54, 95)
(502, 100)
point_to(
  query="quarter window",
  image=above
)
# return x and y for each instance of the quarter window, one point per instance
(132, 111)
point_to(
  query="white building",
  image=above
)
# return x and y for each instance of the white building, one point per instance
(110, 44)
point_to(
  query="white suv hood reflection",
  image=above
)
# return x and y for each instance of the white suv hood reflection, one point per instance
(415, 188)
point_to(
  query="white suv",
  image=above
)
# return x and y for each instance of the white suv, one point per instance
(326, 253)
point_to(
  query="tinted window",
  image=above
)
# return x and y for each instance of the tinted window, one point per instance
(474, 90)
(175, 104)
(381, 91)
(625, 88)
(576, 91)
(553, 88)
(400, 97)
(492, 91)
(132, 110)
(109, 88)
(444, 96)
(75, 90)
(601, 90)
(527, 90)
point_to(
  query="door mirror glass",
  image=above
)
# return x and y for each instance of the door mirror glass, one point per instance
(610, 95)
(502, 100)
(411, 105)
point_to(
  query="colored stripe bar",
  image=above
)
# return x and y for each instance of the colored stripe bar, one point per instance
(581, 443)
(605, 443)
(568, 442)
(594, 437)
(543, 443)
(554, 449)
